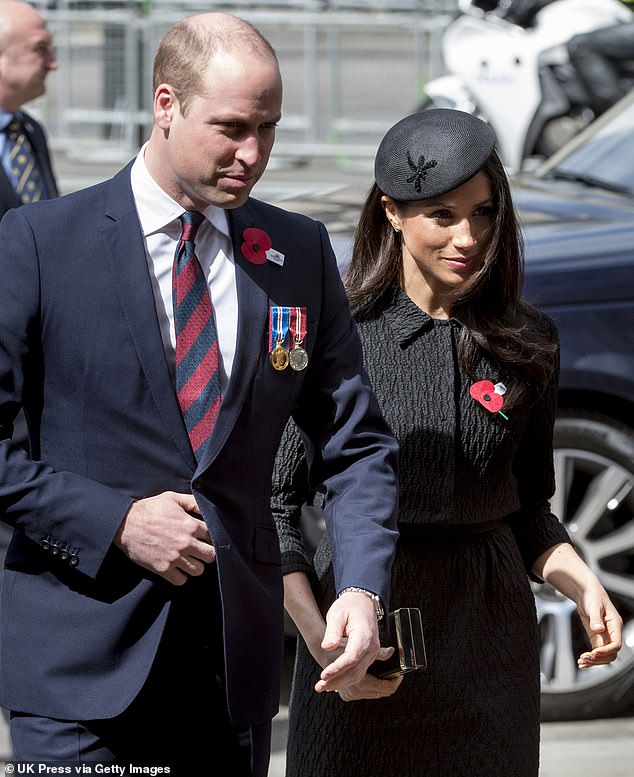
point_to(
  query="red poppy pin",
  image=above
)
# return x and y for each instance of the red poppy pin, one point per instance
(489, 395)
(256, 244)
(257, 247)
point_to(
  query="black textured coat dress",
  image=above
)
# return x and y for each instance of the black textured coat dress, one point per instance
(474, 515)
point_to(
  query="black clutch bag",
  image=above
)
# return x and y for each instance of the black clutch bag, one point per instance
(406, 636)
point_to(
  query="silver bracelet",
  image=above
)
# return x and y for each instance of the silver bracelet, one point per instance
(378, 607)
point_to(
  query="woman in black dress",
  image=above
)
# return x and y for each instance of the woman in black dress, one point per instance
(466, 373)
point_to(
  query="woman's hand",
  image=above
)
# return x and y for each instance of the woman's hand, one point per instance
(371, 687)
(603, 626)
(563, 568)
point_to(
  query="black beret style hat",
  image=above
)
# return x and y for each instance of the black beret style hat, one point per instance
(431, 152)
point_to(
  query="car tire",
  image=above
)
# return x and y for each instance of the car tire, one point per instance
(594, 498)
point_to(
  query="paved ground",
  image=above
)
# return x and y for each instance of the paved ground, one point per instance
(602, 748)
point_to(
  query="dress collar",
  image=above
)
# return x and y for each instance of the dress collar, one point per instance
(407, 320)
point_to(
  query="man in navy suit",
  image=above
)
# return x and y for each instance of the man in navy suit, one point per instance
(142, 609)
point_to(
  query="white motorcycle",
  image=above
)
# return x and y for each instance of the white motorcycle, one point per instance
(520, 79)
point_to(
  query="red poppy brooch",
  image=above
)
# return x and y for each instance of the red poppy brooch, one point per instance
(257, 247)
(489, 395)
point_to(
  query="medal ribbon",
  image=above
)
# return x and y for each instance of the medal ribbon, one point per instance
(279, 320)
(298, 325)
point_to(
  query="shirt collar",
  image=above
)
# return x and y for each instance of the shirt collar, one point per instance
(156, 209)
(5, 119)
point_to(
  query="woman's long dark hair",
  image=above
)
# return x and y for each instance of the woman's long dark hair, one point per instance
(497, 323)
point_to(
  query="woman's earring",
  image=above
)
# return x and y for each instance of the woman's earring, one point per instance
(396, 229)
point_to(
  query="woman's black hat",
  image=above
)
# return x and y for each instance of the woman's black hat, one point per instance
(431, 152)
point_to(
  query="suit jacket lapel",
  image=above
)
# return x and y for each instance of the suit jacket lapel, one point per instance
(8, 198)
(125, 251)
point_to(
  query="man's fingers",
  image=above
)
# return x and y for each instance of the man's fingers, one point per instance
(165, 535)
(201, 532)
(175, 577)
(187, 502)
(191, 566)
(202, 547)
(385, 653)
(203, 551)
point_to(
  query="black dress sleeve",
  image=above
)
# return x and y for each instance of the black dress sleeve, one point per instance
(535, 527)
(291, 491)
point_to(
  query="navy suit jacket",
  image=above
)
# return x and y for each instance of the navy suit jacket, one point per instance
(81, 350)
(8, 198)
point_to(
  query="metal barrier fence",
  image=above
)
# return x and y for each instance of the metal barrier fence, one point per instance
(349, 70)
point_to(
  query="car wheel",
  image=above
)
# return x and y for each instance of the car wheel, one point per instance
(594, 498)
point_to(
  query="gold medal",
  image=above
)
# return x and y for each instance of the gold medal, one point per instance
(279, 318)
(279, 357)
(298, 358)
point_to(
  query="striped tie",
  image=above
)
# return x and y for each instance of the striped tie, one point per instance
(197, 371)
(26, 176)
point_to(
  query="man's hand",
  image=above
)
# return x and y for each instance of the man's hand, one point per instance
(163, 534)
(350, 621)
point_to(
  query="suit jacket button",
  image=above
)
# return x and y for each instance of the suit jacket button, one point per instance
(64, 554)
(73, 560)
(45, 543)
(198, 484)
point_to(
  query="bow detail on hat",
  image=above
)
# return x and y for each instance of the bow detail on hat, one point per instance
(419, 170)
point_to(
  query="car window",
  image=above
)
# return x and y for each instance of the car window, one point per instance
(604, 153)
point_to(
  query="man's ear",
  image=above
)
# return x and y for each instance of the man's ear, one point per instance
(165, 106)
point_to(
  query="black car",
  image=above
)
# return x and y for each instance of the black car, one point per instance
(577, 211)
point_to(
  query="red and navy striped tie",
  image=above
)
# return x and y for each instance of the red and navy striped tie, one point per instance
(197, 370)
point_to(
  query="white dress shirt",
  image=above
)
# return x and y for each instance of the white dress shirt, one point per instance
(159, 217)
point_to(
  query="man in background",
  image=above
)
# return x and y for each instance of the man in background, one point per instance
(26, 58)
(598, 57)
